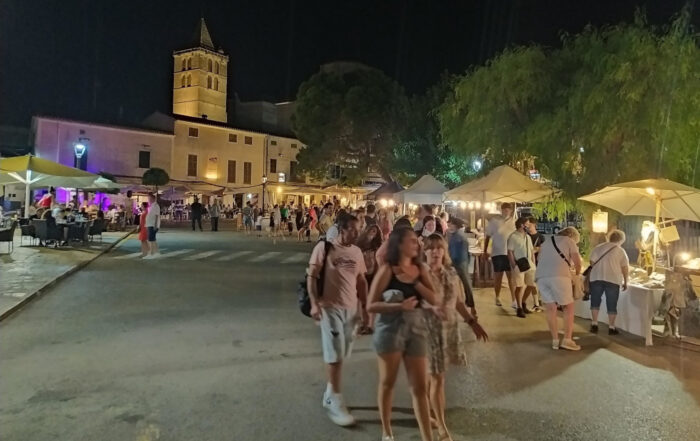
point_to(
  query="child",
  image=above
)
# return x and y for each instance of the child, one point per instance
(258, 225)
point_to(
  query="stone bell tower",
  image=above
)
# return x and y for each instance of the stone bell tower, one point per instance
(200, 78)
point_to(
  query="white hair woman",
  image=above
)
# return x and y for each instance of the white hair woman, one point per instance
(558, 257)
(609, 271)
(445, 341)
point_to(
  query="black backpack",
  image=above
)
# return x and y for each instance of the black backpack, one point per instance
(302, 289)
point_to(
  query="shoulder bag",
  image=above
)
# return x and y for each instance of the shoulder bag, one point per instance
(303, 297)
(576, 282)
(524, 262)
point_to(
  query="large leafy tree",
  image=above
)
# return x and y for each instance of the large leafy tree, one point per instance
(420, 149)
(352, 119)
(612, 104)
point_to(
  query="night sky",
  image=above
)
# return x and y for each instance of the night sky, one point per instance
(112, 60)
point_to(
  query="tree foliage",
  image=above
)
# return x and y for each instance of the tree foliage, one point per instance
(351, 119)
(612, 104)
(156, 177)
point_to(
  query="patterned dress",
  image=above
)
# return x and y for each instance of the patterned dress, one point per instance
(445, 341)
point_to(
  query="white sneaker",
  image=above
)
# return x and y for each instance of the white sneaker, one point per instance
(555, 344)
(514, 305)
(337, 411)
(387, 438)
(152, 256)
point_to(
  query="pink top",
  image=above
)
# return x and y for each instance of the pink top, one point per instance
(343, 266)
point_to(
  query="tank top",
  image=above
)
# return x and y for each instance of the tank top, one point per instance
(408, 289)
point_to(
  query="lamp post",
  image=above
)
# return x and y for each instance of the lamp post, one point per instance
(264, 184)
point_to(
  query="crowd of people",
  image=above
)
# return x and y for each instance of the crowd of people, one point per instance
(407, 283)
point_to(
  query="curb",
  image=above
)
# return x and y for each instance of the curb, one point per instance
(44, 288)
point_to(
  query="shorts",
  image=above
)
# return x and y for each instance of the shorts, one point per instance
(526, 278)
(258, 228)
(405, 332)
(337, 333)
(500, 263)
(556, 290)
(248, 221)
(152, 234)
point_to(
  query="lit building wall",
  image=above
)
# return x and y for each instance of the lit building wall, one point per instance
(112, 149)
(214, 146)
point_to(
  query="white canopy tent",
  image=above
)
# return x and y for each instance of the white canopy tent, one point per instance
(426, 190)
(503, 184)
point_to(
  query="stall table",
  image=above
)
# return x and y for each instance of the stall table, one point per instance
(635, 310)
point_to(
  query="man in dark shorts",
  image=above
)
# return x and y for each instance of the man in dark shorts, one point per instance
(498, 231)
(196, 208)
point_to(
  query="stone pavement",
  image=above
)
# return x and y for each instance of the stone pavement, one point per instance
(30, 268)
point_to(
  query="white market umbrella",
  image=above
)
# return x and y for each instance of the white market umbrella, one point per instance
(426, 190)
(655, 198)
(650, 197)
(504, 184)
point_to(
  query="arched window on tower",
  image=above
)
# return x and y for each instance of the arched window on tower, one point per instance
(216, 84)
(184, 64)
(216, 68)
(189, 80)
(184, 80)
(189, 63)
(208, 82)
(209, 65)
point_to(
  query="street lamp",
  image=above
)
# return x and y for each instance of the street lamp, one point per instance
(264, 184)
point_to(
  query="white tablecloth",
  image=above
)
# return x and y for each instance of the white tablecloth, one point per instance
(635, 310)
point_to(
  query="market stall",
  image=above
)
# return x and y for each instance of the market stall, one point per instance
(426, 190)
(657, 290)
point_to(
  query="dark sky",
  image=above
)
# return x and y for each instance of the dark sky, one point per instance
(91, 58)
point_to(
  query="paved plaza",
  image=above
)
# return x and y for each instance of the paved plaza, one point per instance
(207, 344)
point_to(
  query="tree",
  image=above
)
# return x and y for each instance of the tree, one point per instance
(156, 177)
(420, 149)
(612, 104)
(351, 119)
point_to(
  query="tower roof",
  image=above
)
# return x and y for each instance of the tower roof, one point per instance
(201, 36)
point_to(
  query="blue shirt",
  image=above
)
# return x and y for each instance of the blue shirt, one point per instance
(458, 247)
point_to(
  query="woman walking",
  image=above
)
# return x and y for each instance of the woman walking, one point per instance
(609, 268)
(143, 231)
(396, 296)
(369, 242)
(558, 256)
(384, 223)
(445, 339)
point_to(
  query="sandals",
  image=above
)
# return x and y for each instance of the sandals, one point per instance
(366, 330)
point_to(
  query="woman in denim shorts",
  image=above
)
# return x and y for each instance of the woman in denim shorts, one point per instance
(400, 290)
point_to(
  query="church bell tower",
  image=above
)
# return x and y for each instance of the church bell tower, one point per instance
(199, 78)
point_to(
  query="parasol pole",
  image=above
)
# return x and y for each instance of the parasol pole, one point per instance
(27, 193)
(656, 232)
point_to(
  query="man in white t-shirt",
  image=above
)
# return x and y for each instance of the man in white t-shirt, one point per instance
(336, 308)
(610, 272)
(520, 253)
(498, 231)
(153, 225)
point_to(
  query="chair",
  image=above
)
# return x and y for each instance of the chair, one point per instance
(8, 235)
(42, 232)
(27, 231)
(96, 229)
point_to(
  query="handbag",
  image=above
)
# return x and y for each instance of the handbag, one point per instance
(303, 297)
(587, 275)
(576, 281)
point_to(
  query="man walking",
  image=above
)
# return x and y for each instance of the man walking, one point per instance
(152, 225)
(336, 307)
(214, 213)
(522, 262)
(498, 231)
(326, 220)
(248, 218)
(458, 247)
(196, 209)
